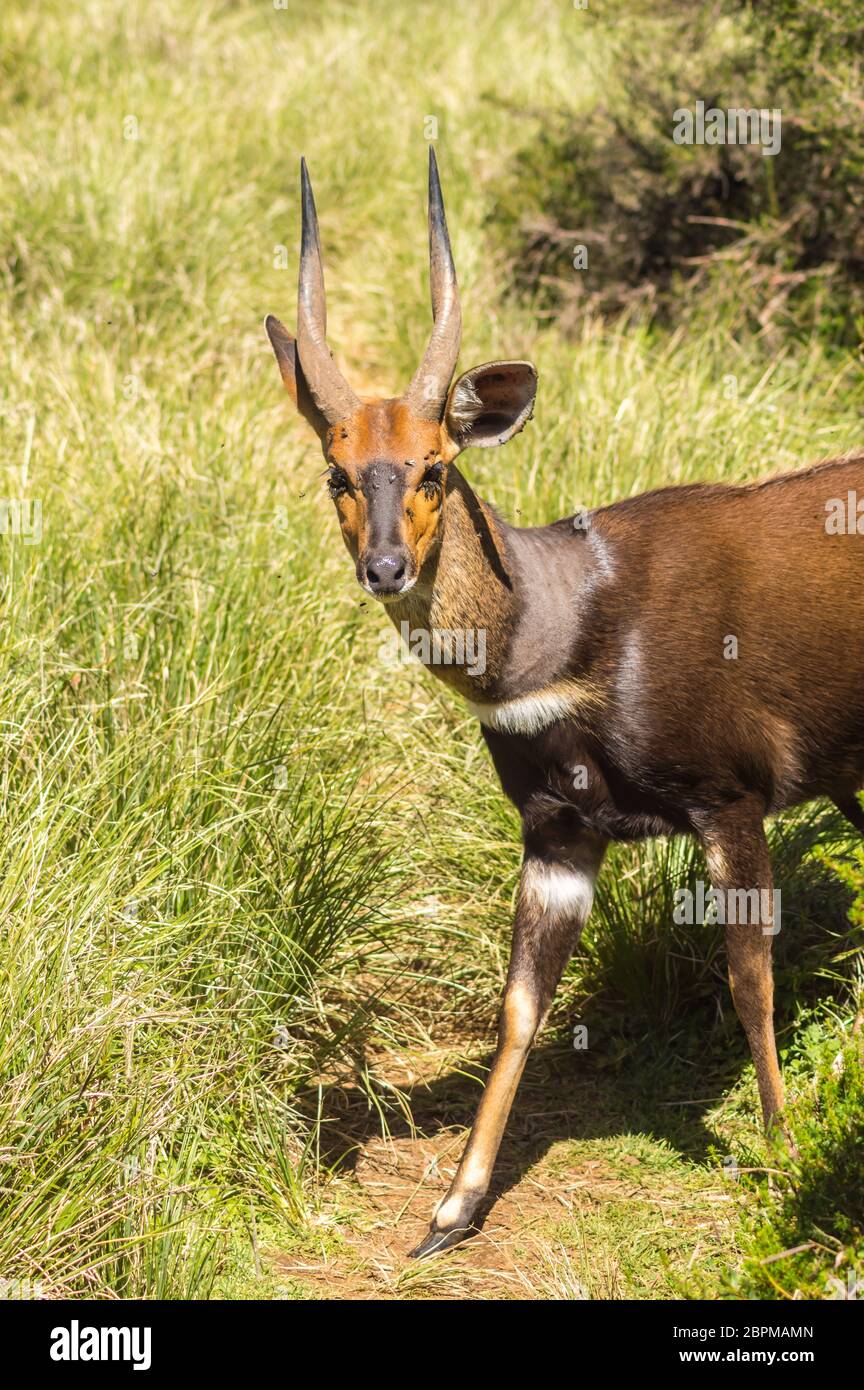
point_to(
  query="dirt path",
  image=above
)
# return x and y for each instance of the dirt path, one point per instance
(585, 1203)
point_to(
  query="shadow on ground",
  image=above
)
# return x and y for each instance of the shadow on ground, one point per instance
(565, 1095)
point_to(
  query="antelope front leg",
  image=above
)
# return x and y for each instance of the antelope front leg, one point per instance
(555, 894)
(740, 867)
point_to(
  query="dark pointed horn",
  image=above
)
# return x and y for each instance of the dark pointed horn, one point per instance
(428, 390)
(330, 391)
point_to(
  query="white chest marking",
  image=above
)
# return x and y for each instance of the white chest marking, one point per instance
(529, 714)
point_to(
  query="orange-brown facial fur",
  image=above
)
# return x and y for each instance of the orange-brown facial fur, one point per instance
(387, 478)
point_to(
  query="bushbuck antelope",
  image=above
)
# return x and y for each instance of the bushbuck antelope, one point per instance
(611, 702)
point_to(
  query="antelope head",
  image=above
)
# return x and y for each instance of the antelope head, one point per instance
(388, 459)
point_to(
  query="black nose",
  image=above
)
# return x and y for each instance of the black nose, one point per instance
(385, 574)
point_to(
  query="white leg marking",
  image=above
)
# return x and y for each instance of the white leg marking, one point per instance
(520, 1014)
(718, 865)
(558, 890)
(447, 1212)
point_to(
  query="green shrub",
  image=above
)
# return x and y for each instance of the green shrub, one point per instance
(770, 243)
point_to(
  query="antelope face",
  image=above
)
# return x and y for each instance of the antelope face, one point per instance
(387, 459)
(387, 473)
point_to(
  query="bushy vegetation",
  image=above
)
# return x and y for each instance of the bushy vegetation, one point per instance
(244, 862)
(772, 244)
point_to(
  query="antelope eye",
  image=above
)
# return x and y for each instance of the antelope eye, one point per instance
(430, 483)
(337, 482)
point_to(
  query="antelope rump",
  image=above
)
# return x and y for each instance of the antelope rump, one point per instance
(686, 661)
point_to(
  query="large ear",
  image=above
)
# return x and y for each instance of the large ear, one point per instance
(285, 348)
(490, 404)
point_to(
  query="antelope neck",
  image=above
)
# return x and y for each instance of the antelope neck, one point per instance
(522, 588)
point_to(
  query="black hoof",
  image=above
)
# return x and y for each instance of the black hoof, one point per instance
(436, 1241)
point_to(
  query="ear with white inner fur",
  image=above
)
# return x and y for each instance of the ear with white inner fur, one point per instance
(490, 404)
